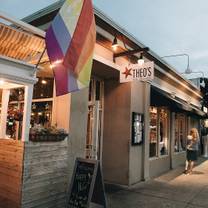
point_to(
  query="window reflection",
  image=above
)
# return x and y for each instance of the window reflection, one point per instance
(41, 109)
(158, 141)
(43, 88)
(180, 132)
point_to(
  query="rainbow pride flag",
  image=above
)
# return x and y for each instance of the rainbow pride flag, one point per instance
(70, 42)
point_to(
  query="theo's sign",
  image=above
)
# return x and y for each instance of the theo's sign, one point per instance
(144, 72)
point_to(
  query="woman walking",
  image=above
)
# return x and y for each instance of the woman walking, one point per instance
(191, 150)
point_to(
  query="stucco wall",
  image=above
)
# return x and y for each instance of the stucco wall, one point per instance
(178, 159)
(61, 106)
(77, 126)
(136, 157)
(159, 166)
(116, 132)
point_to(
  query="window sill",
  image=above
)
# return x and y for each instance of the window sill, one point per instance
(178, 153)
(158, 158)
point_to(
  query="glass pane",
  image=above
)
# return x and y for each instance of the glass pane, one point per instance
(43, 88)
(14, 120)
(153, 132)
(163, 131)
(16, 94)
(97, 92)
(41, 114)
(180, 133)
(90, 91)
(15, 113)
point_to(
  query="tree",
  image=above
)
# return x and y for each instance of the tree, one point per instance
(204, 91)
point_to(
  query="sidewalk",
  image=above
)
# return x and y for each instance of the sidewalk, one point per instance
(171, 190)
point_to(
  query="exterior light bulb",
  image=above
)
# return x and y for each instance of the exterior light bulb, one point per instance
(58, 61)
(115, 44)
(140, 60)
(44, 81)
(2, 82)
(55, 63)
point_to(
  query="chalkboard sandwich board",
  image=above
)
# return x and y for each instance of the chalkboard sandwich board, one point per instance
(86, 185)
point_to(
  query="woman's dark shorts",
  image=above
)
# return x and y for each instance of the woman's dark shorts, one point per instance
(191, 155)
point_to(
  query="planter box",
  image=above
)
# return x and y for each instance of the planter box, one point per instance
(47, 137)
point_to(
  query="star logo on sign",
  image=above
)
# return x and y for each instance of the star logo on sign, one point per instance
(127, 72)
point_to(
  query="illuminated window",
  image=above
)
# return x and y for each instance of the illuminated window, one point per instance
(159, 122)
(180, 132)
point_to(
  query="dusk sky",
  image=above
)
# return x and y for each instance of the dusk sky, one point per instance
(167, 27)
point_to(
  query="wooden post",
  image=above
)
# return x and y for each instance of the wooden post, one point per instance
(27, 112)
(4, 109)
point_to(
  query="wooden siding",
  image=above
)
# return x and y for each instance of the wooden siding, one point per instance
(45, 177)
(11, 160)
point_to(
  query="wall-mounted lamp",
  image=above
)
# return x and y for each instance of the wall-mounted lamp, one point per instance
(131, 52)
(55, 63)
(114, 44)
(2, 82)
(140, 60)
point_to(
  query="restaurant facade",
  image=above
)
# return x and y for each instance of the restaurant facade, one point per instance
(136, 129)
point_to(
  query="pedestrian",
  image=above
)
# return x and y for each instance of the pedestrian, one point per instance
(191, 150)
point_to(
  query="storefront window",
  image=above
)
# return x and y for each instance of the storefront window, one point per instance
(158, 131)
(163, 131)
(41, 111)
(153, 132)
(43, 88)
(180, 132)
(15, 113)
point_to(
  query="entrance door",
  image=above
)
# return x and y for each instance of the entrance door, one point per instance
(180, 132)
(94, 140)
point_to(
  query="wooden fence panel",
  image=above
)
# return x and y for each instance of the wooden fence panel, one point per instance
(45, 177)
(11, 161)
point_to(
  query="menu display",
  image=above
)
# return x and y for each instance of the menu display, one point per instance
(137, 128)
(87, 185)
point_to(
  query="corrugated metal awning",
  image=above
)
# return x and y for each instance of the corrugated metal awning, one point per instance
(18, 44)
(174, 103)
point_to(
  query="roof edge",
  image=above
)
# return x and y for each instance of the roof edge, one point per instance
(55, 6)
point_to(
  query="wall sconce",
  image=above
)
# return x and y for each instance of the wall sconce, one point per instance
(140, 60)
(56, 63)
(131, 52)
(114, 44)
(2, 82)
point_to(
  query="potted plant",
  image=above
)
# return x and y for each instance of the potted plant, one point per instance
(38, 133)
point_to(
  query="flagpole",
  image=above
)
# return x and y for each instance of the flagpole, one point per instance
(36, 66)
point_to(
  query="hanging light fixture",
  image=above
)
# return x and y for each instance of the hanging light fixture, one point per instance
(55, 63)
(44, 81)
(140, 60)
(115, 43)
(2, 82)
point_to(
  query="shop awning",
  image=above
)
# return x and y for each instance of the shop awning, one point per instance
(173, 102)
(20, 45)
